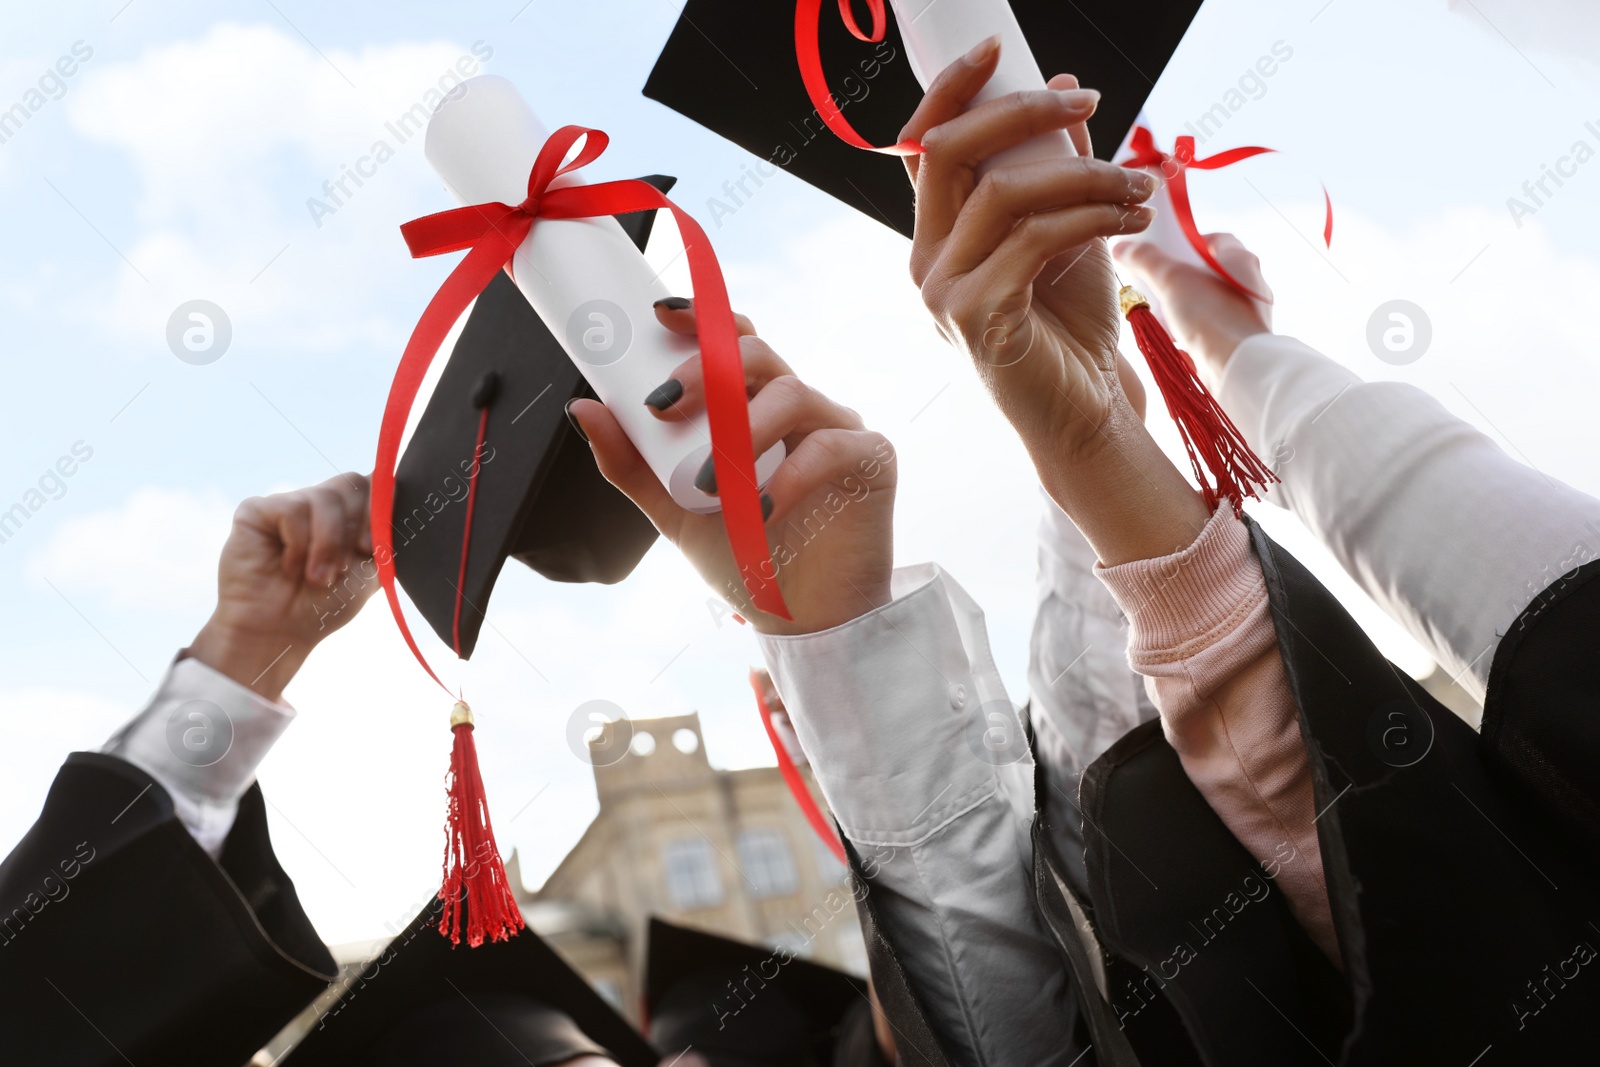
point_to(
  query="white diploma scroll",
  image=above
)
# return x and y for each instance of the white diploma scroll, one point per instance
(939, 32)
(1163, 231)
(588, 282)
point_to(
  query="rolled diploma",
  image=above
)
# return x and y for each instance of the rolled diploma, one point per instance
(1163, 231)
(939, 32)
(580, 275)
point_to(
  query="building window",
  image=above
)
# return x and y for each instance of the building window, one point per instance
(692, 879)
(829, 869)
(766, 861)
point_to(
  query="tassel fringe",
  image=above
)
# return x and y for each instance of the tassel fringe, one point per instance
(1224, 464)
(474, 875)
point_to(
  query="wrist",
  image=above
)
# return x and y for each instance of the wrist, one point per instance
(261, 662)
(1122, 492)
(1063, 456)
(863, 598)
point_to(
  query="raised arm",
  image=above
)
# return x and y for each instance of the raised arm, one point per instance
(1451, 536)
(1014, 267)
(295, 568)
(887, 678)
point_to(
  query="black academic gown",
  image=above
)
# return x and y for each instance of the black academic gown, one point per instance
(125, 942)
(1460, 868)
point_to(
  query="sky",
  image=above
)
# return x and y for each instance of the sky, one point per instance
(176, 163)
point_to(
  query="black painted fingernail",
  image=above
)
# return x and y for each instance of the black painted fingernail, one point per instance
(665, 395)
(576, 425)
(766, 506)
(673, 303)
(706, 480)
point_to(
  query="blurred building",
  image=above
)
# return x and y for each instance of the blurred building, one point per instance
(727, 851)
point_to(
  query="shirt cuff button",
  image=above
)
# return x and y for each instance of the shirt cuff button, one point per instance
(958, 696)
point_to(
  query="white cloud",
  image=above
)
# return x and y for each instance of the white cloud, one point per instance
(157, 551)
(229, 136)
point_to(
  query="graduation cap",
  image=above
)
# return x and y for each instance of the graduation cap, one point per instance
(742, 1005)
(510, 1002)
(730, 66)
(707, 72)
(540, 498)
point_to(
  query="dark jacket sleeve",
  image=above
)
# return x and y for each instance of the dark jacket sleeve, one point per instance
(121, 940)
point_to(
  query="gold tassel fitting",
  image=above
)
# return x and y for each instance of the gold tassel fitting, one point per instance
(1130, 299)
(460, 715)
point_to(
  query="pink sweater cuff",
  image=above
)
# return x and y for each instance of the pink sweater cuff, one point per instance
(1179, 604)
(1200, 631)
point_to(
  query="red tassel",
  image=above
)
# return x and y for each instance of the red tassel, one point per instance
(1208, 434)
(474, 876)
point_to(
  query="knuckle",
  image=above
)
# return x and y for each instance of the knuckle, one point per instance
(1033, 228)
(788, 390)
(935, 142)
(934, 290)
(1087, 167)
(325, 499)
(754, 350)
(992, 187)
(877, 444)
(1021, 104)
(832, 444)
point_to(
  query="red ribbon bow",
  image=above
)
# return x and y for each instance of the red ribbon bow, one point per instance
(492, 233)
(807, 17)
(1174, 169)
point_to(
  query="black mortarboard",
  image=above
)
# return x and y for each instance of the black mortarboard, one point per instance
(742, 1005)
(730, 66)
(424, 1002)
(540, 498)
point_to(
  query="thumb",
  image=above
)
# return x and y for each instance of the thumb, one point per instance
(624, 467)
(1153, 264)
(1240, 262)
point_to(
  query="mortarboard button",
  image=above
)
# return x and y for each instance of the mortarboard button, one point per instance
(538, 497)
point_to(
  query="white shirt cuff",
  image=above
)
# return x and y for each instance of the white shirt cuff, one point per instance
(202, 736)
(901, 711)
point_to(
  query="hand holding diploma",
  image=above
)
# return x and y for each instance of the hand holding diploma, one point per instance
(829, 505)
(1210, 316)
(1011, 264)
(1015, 270)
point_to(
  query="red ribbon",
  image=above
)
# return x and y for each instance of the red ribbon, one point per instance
(791, 777)
(492, 233)
(1175, 168)
(807, 18)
